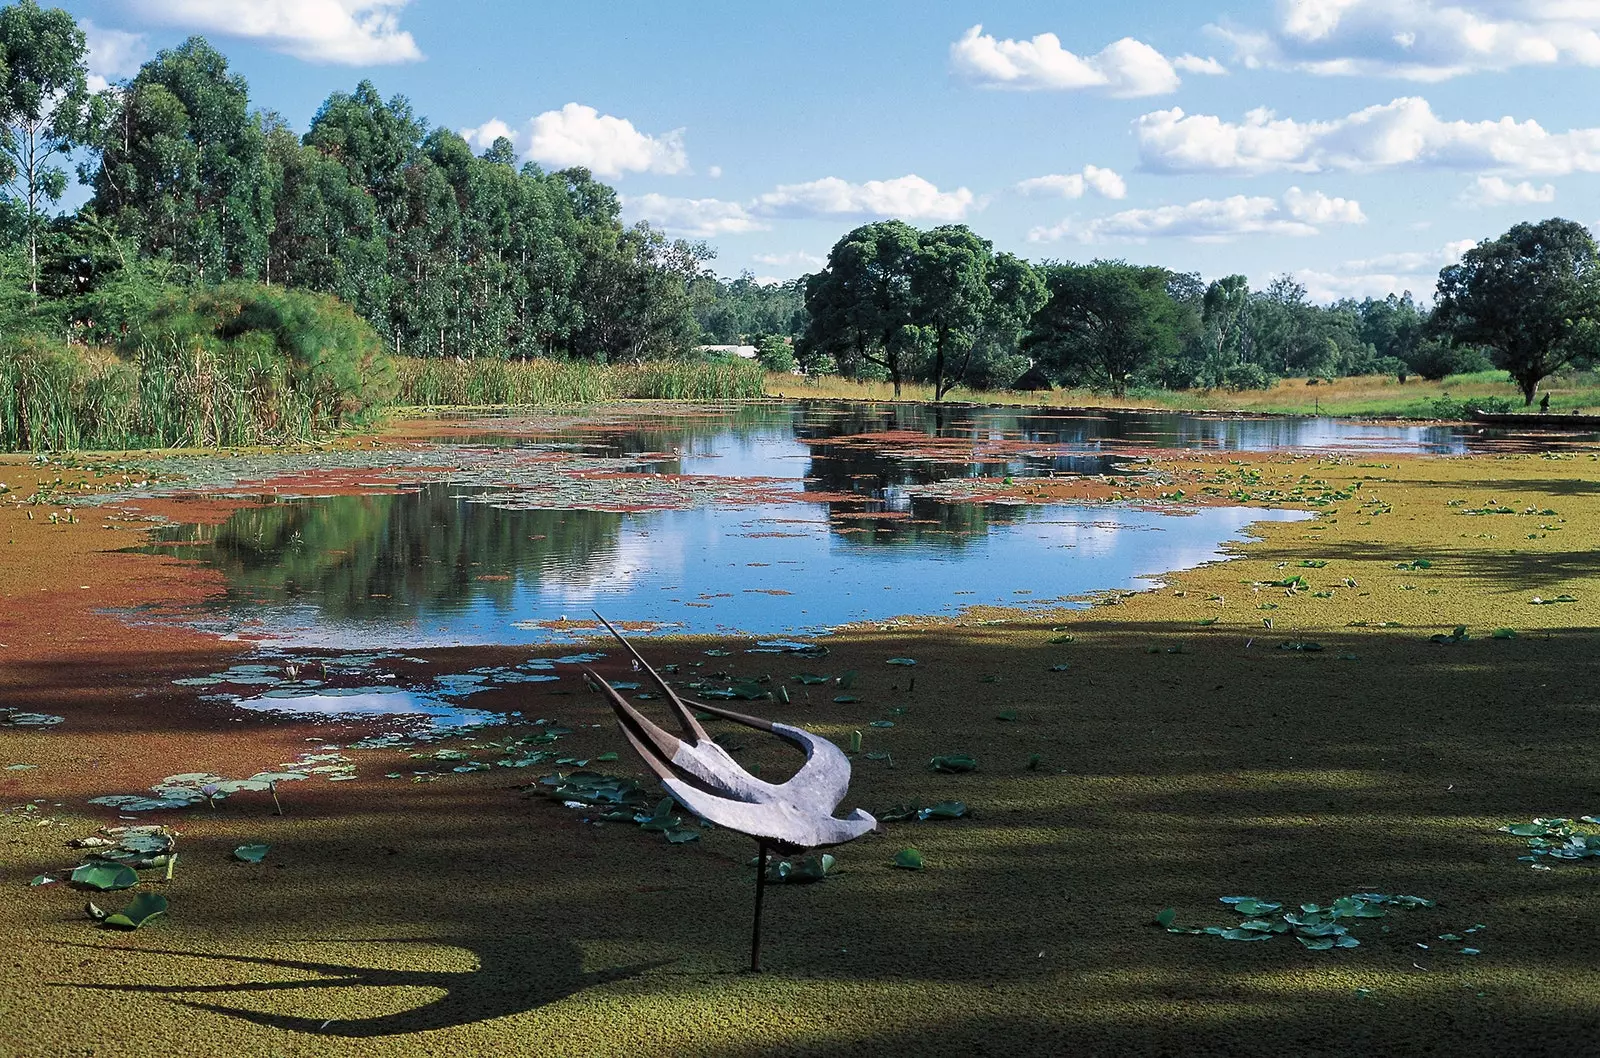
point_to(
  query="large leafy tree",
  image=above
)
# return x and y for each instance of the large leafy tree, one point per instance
(1105, 323)
(1531, 297)
(862, 307)
(962, 291)
(43, 93)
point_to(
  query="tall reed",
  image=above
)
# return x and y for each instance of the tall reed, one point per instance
(466, 383)
(55, 397)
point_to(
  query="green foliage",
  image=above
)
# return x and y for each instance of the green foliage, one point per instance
(434, 383)
(43, 91)
(730, 311)
(1106, 322)
(331, 360)
(233, 365)
(1531, 297)
(774, 353)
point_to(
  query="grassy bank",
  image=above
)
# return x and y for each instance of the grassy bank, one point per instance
(1363, 395)
(558, 383)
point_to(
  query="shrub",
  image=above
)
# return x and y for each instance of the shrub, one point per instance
(1246, 376)
(272, 338)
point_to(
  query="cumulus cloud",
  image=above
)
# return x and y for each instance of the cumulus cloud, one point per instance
(1489, 191)
(1195, 64)
(354, 32)
(1404, 132)
(484, 135)
(610, 146)
(1378, 277)
(702, 218)
(908, 196)
(1214, 220)
(113, 54)
(1103, 182)
(1420, 40)
(798, 257)
(1124, 68)
(1314, 207)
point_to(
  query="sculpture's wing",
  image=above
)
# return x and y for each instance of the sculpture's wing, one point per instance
(686, 719)
(824, 778)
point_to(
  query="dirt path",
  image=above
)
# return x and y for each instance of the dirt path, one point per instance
(1197, 745)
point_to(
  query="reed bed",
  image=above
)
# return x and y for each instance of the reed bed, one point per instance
(1454, 397)
(547, 383)
(55, 397)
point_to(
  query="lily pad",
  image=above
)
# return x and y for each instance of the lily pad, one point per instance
(953, 763)
(901, 661)
(104, 875)
(142, 909)
(908, 859)
(251, 853)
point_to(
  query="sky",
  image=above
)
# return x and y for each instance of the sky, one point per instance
(1356, 145)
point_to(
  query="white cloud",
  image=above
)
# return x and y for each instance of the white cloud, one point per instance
(907, 197)
(799, 257)
(714, 172)
(1317, 208)
(1214, 220)
(1421, 40)
(1195, 64)
(1103, 182)
(484, 135)
(610, 146)
(1489, 191)
(355, 32)
(1124, 68)
(1378, 277)
(1404, 132)
(114, 54)
(702, 218)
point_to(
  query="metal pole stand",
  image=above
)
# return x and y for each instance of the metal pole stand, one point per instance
(761, 892)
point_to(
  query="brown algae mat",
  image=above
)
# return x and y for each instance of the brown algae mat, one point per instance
(1301, 723)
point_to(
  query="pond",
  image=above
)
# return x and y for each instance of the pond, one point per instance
(768, 519)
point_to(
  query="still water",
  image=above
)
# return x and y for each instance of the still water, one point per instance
(837, 532)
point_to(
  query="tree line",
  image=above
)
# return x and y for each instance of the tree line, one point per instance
(941, 307)
(447, 252)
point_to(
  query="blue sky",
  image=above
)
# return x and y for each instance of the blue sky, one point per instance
(1355, 144)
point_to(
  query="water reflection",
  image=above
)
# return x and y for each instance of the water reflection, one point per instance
(448, 562)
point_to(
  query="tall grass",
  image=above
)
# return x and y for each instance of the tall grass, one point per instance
(469, 383)
(55, 397)
(1453, 397)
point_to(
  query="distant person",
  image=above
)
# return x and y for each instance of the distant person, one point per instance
(1544, 404)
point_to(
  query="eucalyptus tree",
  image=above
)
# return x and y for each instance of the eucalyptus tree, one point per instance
(180, 164)
(1531, 297)
(43, 95)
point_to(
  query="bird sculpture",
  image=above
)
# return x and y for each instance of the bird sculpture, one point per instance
(790, 816)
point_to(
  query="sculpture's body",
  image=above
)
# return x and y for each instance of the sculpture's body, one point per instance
(789, 816)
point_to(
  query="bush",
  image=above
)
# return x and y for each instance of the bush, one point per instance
(281, 343)
(1446, 407)
(1434, 360)
(1246, 376)
(774, 354)
(1393, 365)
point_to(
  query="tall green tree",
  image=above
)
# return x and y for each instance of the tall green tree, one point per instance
(181, 165)
(1531, 297)
(43, 92)
(861, 304)
(1105, 323)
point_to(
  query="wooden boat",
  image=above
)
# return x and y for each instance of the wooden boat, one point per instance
(1538, 420)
